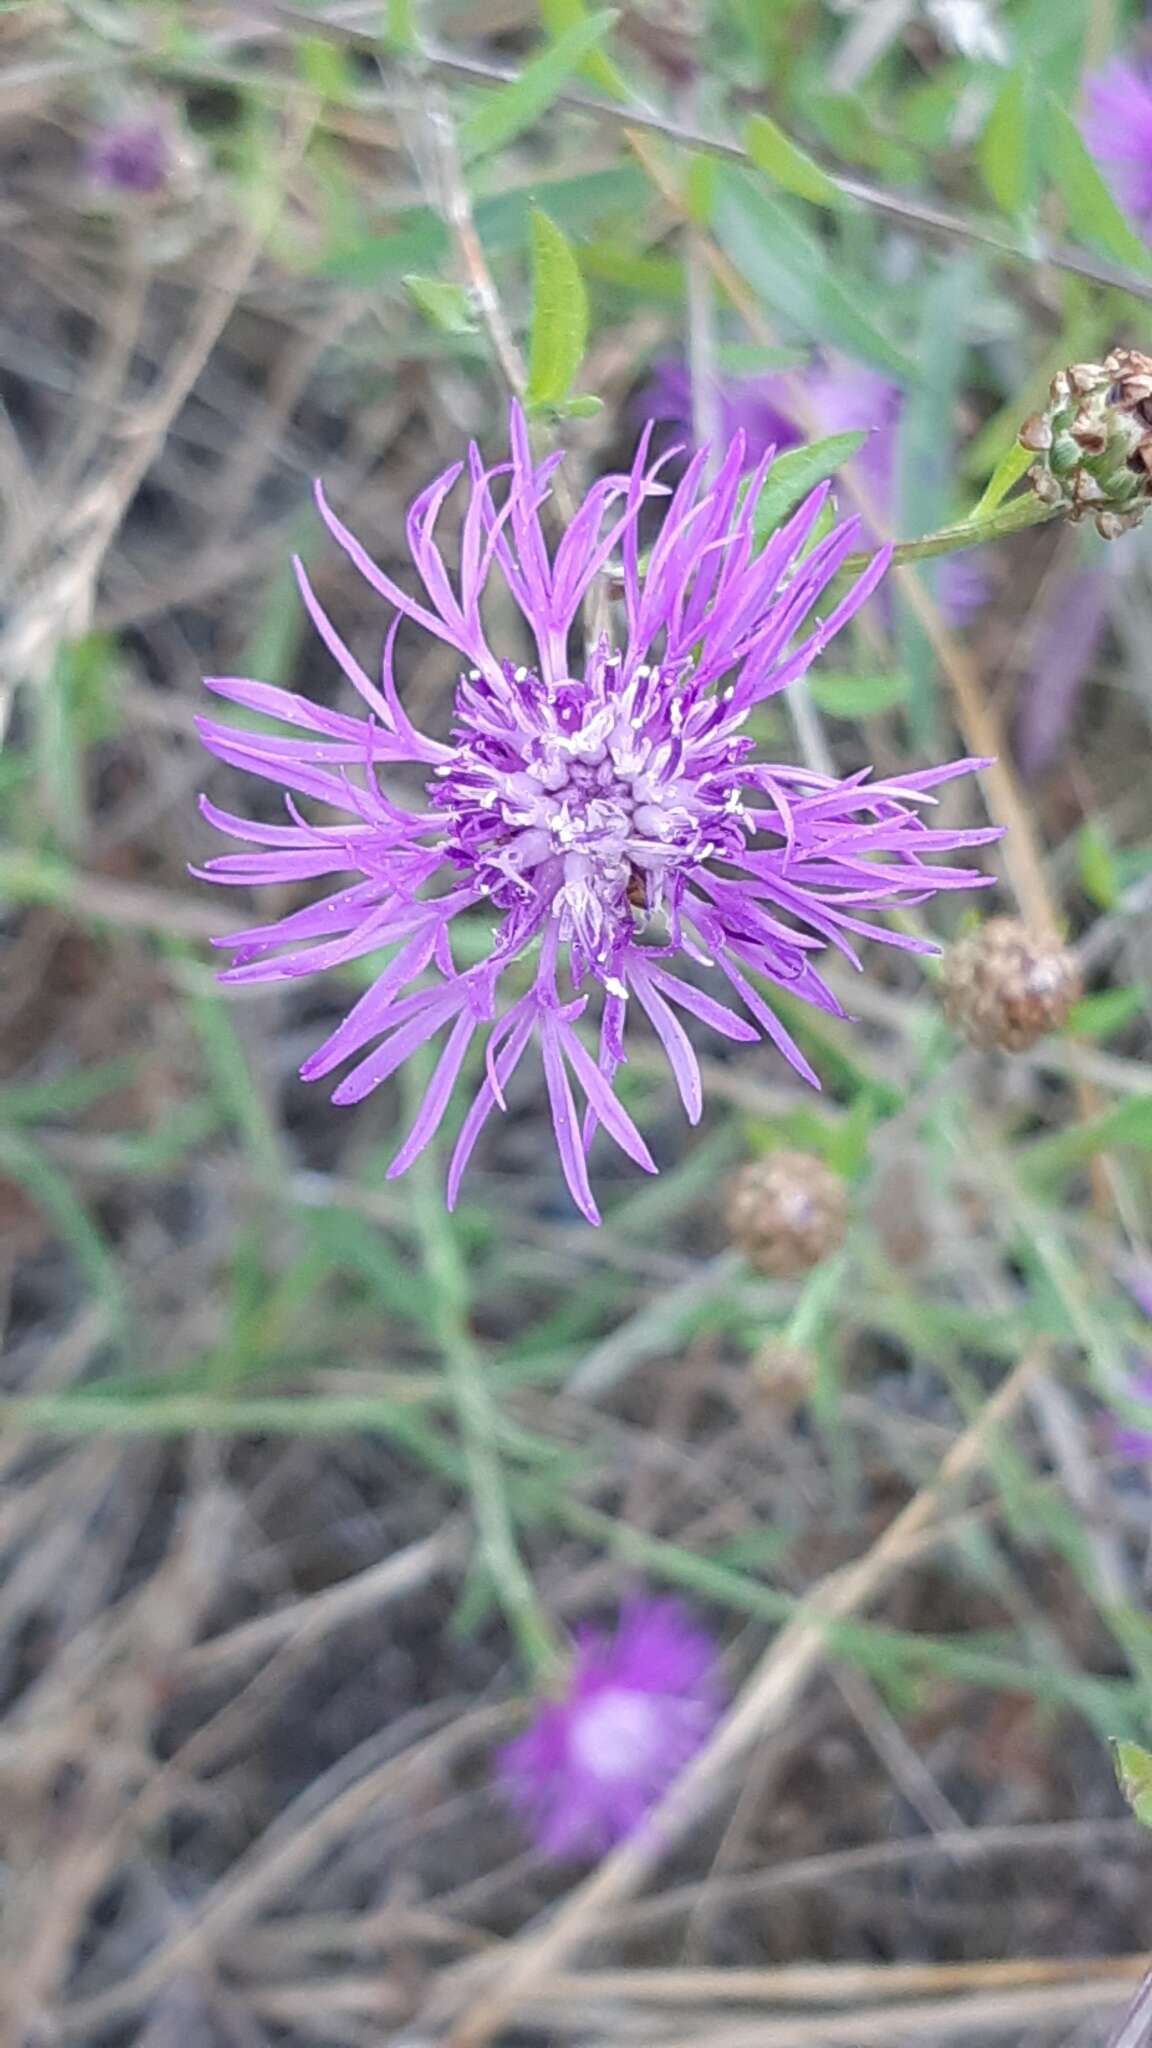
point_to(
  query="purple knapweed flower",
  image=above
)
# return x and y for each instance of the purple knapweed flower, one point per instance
(603, 812)
(635, 1709)
(132, 155)
(844, 398)
(1117, 127)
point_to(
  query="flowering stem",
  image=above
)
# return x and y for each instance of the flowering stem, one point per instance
(477, 1416)
(1015, 517)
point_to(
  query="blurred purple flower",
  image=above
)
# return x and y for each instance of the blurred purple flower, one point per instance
(1070, 622)
(606, 820)
(636, 1708)
(1131, 1439)
(1118, 130)
(845, 398)
(133, 155)
(752, 406)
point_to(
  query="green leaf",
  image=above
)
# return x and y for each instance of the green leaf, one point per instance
(785, 162)
(615, 262)
(1005, 146)
(506, 114)
(700, 187)
(790, 270)
(1101, 1015)
(1099, 877)
(559, 18)
(400, 24)
(797, 472)
(448, 306)
(559, 315)
(1008, 471)
(585, 407)
(850, 696)
(1092, 212)
(1133, 1767)
(326, 68)
(1129, 1123)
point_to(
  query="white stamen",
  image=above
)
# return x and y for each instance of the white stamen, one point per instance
(614, 1736)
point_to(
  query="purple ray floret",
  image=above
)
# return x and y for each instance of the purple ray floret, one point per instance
(635, 1709)
(604, 814)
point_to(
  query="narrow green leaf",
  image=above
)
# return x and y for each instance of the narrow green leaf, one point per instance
(789, 268)
(1008, 471)
(615, 262)
(1092, 212)
(1134, 1777)
(559, 315)
(326, 68)
(52, 1191)
(506, 114)
(797, 472)
(559, 17)
(447, 305)
(1005, 153)
(864, 696)
(1099, 877)
(400, 24)
(585, 407)
(785, 162)
(1101, 1015)
(1128, 1123)
(700, 187)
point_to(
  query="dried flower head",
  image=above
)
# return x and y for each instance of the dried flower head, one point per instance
(1008, 987)
(1118, 131)
(1094, 440)
(634, 1710)
(786, 1212)
(602, 813)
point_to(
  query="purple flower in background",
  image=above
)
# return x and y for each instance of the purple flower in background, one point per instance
(602, 812)
(1069, 623)
(1118, 130)
(1132, 1439)
(133, 155)
(752, 406)
(636, 1708)
(845, 398)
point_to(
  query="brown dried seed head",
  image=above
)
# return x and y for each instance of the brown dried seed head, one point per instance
(1036, 433)
(1008, 987)
(786, 1212)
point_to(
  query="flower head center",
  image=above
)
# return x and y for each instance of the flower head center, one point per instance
(593, 795)
(615, 1735)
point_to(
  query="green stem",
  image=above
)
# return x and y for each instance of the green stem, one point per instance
(479, 1423)
(970, 533)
